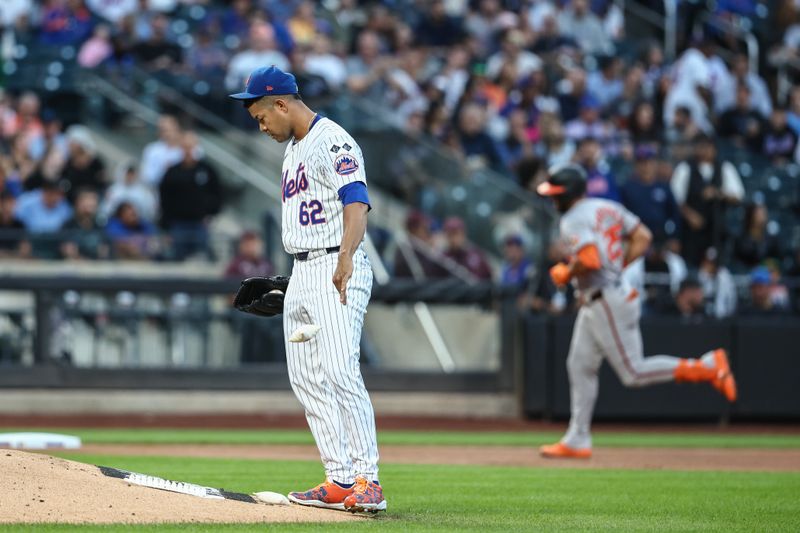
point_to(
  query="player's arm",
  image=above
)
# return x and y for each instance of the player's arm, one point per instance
(586, 260)
(638, 242)
(356, 206)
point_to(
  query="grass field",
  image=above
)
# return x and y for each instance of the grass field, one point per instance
(451, 438)
(482, 498)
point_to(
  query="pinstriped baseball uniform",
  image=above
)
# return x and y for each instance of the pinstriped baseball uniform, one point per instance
(607, 325)
(324, 372)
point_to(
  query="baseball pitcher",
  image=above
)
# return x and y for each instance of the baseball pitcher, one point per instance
(603, 238)
(324, 218)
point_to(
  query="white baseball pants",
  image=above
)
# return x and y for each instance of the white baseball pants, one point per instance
(608, 328)
(324, 372)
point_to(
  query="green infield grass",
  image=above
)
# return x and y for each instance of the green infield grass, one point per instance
(441, 438)
(480, 498)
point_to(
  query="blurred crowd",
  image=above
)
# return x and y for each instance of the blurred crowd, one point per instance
(513, 86)
(59, 199)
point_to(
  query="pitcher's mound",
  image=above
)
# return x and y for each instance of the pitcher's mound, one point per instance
(40, 488)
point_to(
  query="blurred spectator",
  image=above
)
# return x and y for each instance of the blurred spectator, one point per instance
(664, 258)
(605, 84)
(742, 123)
(416, 260)
(780, 142)
(64, 22)
(367, 68)
(15, 13)
(463, 253)
(131, 237)
(756, 244)
(741, 74)
(159, 155)
(24, 123)
(571, 93)
(321, 61)
(620, 109)
(692, 88)
(97, 49)
(43, 210)
(190, 194)
(303, 25)
(689, 302)
(436, 28)
(549, 39)
(683, 129)
(654, 68)
(127, 187)
(703, 188)
(651, 199)
(84, 169)
(249, 261)
(9, 182)
(793, 113)
(52, 136)
(588, 123)
(234, 20)
(84, 236)
(261, 51)
(49, 170)
(513, 52)
(644, 127)
(600, 182)
(761, 302)
(517, 269)
(113, 10)
(578, 22)
(519, 142)
(207, 60)
(482, 23)
(158, 53)
(12, 232)
(718, 285)
(314, 86)
(475, 142)
(555, 148)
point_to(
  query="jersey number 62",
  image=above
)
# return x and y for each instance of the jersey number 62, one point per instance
(311, 213)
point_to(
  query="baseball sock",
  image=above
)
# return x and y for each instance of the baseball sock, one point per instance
(344, 485)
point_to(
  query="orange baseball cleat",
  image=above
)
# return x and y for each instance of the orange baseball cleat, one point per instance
(327, 495)
(367, 496)
(724, 381)
(560, 450)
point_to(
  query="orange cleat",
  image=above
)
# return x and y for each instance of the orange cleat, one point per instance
(724, 381)
(327, 495)
(560, 450)
(367, 496)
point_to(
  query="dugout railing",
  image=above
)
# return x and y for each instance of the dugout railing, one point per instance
(33, 354)
(529, 361)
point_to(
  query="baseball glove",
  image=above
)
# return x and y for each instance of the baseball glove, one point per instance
(262, 296)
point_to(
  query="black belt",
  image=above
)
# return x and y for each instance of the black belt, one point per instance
(302, 256)
(596, 296)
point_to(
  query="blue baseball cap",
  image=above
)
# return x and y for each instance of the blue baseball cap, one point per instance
(267, 81)
(760, 276)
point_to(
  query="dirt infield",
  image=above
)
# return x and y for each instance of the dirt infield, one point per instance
(36, 488)
(269, 421)
(519, 456)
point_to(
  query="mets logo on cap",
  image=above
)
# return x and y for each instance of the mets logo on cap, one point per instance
(345, 164)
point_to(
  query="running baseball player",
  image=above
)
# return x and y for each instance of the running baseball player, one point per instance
(324, 218)
(603, 238)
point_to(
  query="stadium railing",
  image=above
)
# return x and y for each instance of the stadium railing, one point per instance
(175, 331)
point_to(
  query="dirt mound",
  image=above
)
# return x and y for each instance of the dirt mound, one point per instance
(41, 488)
